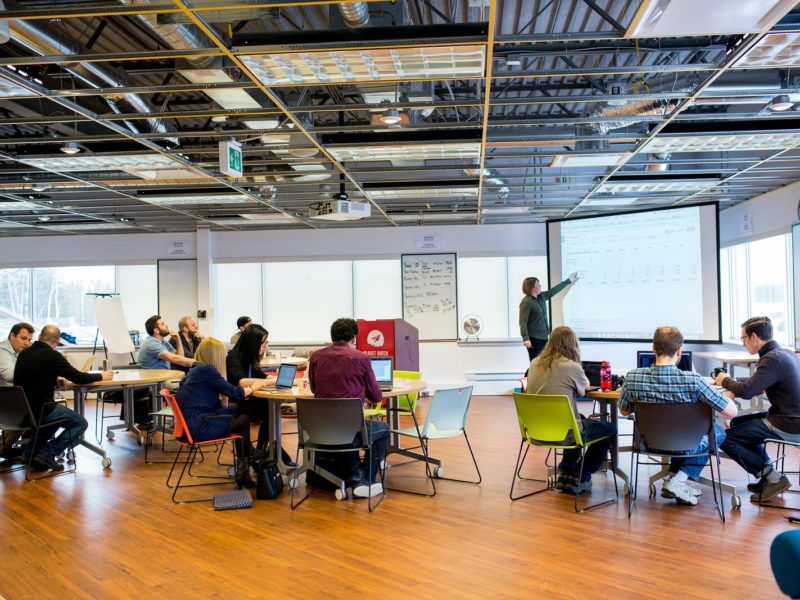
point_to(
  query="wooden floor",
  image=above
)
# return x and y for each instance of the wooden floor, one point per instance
(116, 534)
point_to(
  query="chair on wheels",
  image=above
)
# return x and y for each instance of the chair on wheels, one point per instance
(16, 413)
(674, 430)
(184, 438)
(330, 426)
(784, 556)
(446, 418)
(547, 421)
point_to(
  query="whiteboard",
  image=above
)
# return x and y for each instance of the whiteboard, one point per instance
(429, 295)
(113, 327)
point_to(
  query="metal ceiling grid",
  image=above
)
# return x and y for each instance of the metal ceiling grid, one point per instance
(568, 96)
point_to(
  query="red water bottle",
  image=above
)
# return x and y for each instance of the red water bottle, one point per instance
(605, 376)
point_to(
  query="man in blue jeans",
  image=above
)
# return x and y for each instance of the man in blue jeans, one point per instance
(777, 374)
(341, 371)
(664, 382)
(37, 370)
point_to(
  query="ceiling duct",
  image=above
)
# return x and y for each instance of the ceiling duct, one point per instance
(34, 36)
(354, 14)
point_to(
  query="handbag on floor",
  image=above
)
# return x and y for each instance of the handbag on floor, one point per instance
(269, 481)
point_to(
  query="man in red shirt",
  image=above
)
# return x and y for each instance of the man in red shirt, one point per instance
(341, 371)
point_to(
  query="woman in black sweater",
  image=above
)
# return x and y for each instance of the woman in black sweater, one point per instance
(243, 366)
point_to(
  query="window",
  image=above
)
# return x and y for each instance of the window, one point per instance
(238, 291)
(755, 280)
(377, 289)
(60, 295)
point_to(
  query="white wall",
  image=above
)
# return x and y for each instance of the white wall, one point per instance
(770, 214)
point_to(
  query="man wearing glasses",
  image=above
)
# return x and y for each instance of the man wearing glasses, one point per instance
(777, 374)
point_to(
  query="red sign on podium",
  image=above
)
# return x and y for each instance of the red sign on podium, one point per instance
(393, 338)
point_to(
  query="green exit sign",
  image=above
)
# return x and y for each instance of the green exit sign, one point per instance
(230, 158)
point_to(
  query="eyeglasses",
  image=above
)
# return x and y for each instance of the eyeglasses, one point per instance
(744, 337)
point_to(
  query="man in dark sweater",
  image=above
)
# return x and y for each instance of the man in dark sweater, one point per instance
(777, 374)
(37, 370)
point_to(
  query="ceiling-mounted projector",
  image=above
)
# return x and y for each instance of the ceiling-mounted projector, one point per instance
(340, 210)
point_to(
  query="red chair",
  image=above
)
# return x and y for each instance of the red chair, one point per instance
(184, 438)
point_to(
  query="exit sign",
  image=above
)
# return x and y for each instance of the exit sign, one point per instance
(230, 158)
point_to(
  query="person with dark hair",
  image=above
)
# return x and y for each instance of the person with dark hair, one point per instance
(204, 395)
(665, 382)
(777, 374)
(156, 352)
(243, 364)
(341, 371)
(533, 324)
(19, 338)
(558, 371)
(242, 324)
(37, 371)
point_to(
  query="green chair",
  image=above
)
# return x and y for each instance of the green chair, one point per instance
(549, 422)
(406, 404)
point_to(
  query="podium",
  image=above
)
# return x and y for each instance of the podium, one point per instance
(393, 338)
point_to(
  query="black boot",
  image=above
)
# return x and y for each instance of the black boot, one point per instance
(287, 460)
(243, 477)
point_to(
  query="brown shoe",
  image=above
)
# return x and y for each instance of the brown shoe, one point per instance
(770, 490)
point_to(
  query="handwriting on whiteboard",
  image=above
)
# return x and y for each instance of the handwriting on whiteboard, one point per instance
(429, 285)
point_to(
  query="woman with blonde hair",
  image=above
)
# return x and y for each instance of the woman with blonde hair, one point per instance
(204, 395)
(558, 371)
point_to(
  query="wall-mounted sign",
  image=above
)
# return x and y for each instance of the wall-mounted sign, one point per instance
(179, 248)
(230, 158)
(428, 242)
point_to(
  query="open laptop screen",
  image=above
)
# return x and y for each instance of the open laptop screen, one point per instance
(592, 370)
(645, 358)
(383, 369)
(286, 375)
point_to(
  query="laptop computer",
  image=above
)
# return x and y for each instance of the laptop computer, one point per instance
(592, 370)
(285, 378)
(645, 358)
(384, 372)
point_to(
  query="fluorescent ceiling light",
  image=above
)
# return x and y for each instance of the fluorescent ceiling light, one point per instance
(6, 205)
(467, 151)
(308, 167)
(314, 177)
(257, 220)
(423, 192)
(635, 187)
(86, 226)
(66, 164)
(427, 217)
(307, 152)
(743, 142)
(613, 201)
(684, 18)
(773, 50)
(506, 210)
(164, 174)
(368, 65)
(590, 160)
(197, 199)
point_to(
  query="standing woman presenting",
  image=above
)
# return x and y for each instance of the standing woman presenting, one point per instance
(533, 324)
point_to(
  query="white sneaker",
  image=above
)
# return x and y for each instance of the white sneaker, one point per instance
(680, 491)
(665, 493)
(364, 490)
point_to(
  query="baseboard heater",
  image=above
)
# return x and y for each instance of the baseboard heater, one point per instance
(496, 376)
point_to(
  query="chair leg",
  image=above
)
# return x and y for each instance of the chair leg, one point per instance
(718, 502)
(51, 473)
(187, 465)
(370, 505)
(597, 504)
(632, 488)
(426, 457)
(517, 468)
(474, 462)
(295, 478)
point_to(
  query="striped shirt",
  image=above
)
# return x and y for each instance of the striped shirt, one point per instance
(667, 383)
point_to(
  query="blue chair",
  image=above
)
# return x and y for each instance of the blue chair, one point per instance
(784, 556)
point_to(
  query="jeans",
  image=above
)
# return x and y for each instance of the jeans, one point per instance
(357, 469)
(74, 425)
(694, 466)
(745, 444)
(595, 454)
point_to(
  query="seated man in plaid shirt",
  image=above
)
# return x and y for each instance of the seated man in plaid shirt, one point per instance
(664, 382)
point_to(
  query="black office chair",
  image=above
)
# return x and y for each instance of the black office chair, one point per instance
(16, 413)
(779, 464)
(674, 429)
(330, 426)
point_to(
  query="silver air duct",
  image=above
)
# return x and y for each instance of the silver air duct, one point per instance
(36, 38)
(354, 14)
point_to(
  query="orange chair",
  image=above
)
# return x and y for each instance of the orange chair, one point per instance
(184, 437)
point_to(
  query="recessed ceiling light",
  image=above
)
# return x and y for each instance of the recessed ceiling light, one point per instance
(723, 143)
(40, 186)
(70, 148)
(590, 160)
